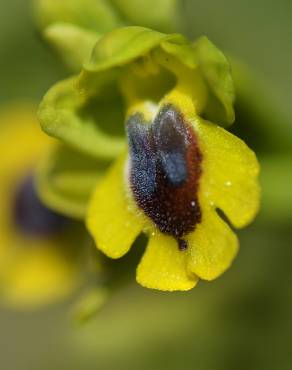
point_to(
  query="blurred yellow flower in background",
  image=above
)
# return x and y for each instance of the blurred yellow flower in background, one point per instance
(37, 262)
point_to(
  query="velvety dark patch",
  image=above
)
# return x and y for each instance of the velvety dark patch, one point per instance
(165, 167)
(31, 216)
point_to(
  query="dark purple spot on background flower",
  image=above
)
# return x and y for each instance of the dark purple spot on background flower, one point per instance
(165, 167)
(31, 216)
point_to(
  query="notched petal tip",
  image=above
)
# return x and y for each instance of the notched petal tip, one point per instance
(164, 267)
(213, 247)
(230, 174)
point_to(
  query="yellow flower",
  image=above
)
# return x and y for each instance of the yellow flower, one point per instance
(179, 171)
(36, 264)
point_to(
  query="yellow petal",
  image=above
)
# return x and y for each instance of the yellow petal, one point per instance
(212, 245)
(164, 266)
(230, 173)
(110, 220)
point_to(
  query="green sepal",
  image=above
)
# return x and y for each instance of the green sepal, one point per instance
(162, 15)
(125, 44)
(69, 115)
(217, 73)
(72, 43)
(98, 16)
(66, 178)
(117, 50)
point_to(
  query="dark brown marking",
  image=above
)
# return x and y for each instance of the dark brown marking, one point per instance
(165, 168)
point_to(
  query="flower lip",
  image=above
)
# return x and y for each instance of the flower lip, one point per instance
(165, 167)
(31, 217)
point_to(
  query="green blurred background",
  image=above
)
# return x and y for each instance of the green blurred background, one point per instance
(242, 320)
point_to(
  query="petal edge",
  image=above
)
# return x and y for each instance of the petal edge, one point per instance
(112, 224)
(213, 246)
